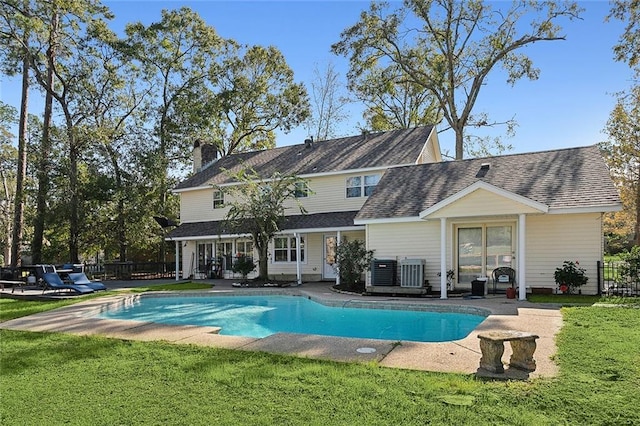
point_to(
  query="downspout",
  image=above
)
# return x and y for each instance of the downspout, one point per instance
(443, 258)
(177, 261)
(522, 285)
(298, 274)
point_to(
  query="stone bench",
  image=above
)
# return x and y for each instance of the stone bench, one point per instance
(523, 346)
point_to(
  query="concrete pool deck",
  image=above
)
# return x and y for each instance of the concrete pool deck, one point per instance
(460, 356)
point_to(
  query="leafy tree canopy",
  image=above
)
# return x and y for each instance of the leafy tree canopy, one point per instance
(449, 47)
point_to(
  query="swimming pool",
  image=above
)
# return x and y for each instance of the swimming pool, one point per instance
(262, 316)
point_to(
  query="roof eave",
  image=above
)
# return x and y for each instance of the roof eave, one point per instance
(605, 208)
(387, 220)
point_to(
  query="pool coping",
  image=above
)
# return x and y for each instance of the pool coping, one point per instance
(459, 356)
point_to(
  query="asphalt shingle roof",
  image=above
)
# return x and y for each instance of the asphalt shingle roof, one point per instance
(396, 147)
(566, 178)
(304, 221)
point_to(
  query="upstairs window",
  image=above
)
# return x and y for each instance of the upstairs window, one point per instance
(218, 199)
(361, 186)
(302, 190)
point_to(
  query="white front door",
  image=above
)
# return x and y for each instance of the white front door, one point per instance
(329, 252)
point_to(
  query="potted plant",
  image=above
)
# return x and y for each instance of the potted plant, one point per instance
(570, 276)
(450, 276)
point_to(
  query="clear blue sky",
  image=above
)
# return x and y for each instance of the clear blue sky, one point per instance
(567, 106)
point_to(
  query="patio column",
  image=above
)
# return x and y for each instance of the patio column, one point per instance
(177, 260)
(443, 258)
(298, 275)
(338, 268)
(522, 284)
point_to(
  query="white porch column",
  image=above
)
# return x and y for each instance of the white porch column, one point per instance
(522, 236)
(338, 236)
(443, 258)
(298, 274)
(178, 260)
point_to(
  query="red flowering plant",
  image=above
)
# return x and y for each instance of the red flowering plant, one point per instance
(570, 276)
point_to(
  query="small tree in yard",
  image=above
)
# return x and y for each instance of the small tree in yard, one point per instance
(258, 208)
(352, 259)
(243, 265)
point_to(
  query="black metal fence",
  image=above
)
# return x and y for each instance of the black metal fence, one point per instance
(619, 278)
(132, 270)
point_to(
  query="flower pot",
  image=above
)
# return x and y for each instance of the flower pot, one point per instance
(511, 293)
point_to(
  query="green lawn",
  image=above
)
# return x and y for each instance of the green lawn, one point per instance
(54, 379)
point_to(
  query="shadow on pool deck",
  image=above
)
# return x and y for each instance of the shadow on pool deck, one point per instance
(460, 356)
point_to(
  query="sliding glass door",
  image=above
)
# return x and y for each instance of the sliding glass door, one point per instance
(482, 248)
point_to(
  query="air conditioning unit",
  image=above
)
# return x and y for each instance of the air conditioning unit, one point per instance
(412, 273)
(383, 272)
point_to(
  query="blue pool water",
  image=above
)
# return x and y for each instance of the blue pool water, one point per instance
(261, 316)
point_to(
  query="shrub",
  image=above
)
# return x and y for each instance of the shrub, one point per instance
(352, 259)
(243, 265)
(570, 276)
(630, 266)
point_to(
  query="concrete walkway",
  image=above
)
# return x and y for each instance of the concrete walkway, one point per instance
(460, 356)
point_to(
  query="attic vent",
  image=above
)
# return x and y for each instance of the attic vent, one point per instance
(484, 168)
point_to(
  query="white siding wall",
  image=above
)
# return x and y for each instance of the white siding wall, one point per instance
(197, 206)
(552, 239)
(329, 195)
(416, 240)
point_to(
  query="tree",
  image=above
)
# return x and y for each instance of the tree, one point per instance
(393, 102)
(622, 153)
(71, 29)
(454, 49)
(176, 56)
(623, 147)
(258, 208)
(327, 104)
(8, 160)
(16, 43)
(256, 95)
(628, 47)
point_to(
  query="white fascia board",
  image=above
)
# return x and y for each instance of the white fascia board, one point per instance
(589, 209)
(388, 220)
(543, 208)
(208, 186)
(207, 237)
(317, 230)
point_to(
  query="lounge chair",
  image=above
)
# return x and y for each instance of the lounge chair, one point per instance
(52, 281)
(81, 278)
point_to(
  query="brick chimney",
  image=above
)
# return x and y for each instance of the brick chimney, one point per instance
(204, 154)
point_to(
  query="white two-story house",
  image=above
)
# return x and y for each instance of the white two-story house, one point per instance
(341, 174)
(529, 212)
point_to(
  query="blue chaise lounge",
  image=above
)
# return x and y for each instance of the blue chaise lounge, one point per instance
(52, 281)
(81, 278)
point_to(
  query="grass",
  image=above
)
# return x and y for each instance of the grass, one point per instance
(52, 378)
(580, 300)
